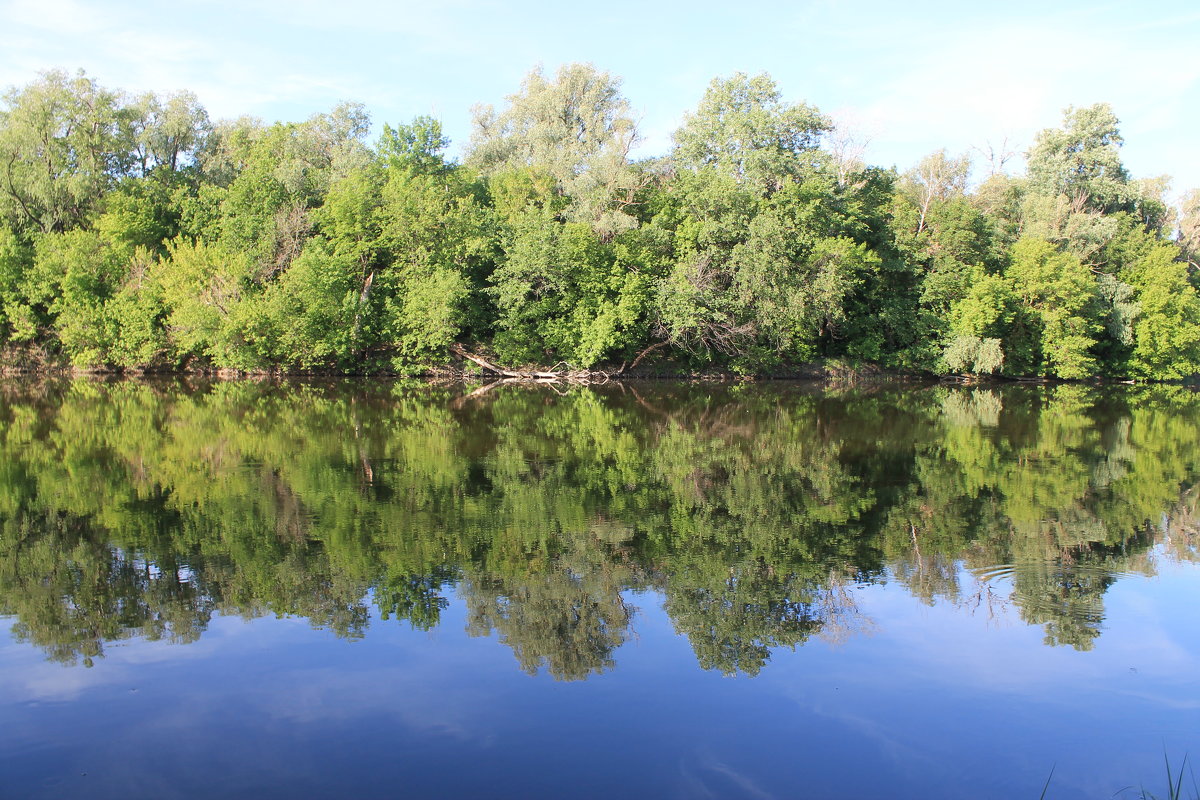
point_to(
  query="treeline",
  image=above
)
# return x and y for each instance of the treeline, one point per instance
(136, 233)
(138, 511)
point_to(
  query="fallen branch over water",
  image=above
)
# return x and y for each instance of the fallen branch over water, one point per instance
(551, 375)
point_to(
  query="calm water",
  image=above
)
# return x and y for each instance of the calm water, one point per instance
(383, 590)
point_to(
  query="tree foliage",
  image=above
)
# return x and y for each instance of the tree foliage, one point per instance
(141, 510)
(136, 233)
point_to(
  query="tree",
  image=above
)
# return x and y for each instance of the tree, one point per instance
(1062, 293)
(1058, 219)
(765, 256)
(744, 130)
(226, 149)
(846, 146)
(436, 241)
(62, 146)
(286, 173)
(968, 353)
(1081, 160)
(578, 129)
(1189, 227)
(384, 271)
(989, 329)
(1166, 330)
(16, 258)
(201, 287)
(167, 131)
(140, 212)
(945, 240)
(937, 177)
(561, 291)
(73, 276)
(415, 147)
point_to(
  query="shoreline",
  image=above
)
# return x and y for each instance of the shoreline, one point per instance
(817, 372)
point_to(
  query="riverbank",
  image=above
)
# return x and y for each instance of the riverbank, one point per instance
(35, 361)
(29, 359)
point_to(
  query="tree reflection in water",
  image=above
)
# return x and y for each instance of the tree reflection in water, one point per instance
(142, 509)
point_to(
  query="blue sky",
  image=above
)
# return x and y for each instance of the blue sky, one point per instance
(911, 77)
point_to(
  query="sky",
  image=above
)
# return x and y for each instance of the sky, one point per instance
(910, 78)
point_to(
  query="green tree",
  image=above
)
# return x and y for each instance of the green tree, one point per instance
(1081, 160)
(1189, 226)
(744, 130)
(1166, 329)
(937, 177)
(62, 146)
(990, 317)
(561, 291)
(438, 243)
(201, 285)
(167, 131)
(1061, 292)
(578, 129)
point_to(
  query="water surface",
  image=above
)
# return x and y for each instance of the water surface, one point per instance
(652, 590)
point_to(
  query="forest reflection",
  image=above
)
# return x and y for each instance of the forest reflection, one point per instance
(756, 512)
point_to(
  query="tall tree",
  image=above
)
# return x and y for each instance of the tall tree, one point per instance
(744, 129)
(167, 131)
(62, 146)
(767, 248)
(578, 129)
(937, 177)
(1082, 160)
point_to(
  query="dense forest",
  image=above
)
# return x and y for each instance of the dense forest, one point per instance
(136, 510)
(135, 233)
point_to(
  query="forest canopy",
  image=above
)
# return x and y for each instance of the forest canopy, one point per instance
(137, 233)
